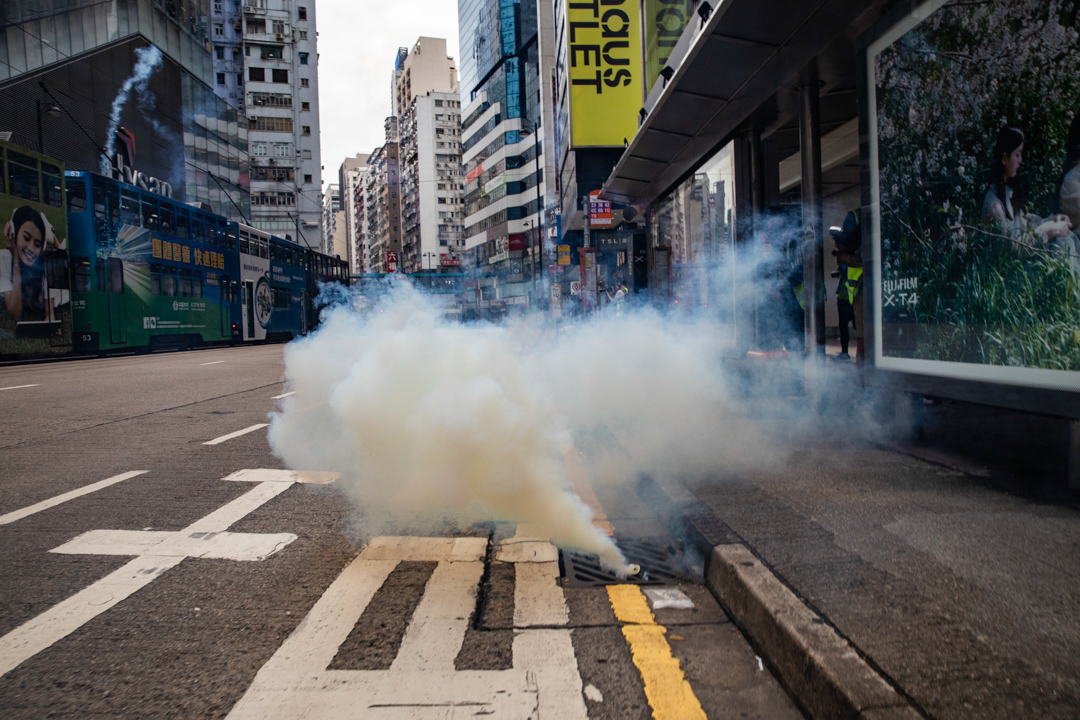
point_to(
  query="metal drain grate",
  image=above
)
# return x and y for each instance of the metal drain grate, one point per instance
(662, 563)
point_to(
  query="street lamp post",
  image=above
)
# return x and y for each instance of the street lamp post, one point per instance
(50, 110)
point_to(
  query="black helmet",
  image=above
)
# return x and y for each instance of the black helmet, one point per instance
(848, 237)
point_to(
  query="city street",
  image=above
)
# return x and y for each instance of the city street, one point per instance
(156, 560)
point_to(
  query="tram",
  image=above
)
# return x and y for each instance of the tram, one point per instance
(92, 265)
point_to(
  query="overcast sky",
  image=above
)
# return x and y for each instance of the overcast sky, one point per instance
(358, 41)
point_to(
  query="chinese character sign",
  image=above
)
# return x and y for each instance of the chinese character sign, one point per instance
(604, 68)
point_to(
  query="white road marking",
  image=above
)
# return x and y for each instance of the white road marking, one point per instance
(421, 682)
(284, 395)
(538, 599)
(308, 477)
(216, 362)
(16, 387)
(157, 552)
(238, 433)
(64, 497)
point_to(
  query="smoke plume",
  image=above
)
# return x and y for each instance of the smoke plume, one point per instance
(148, 60)
(430, 418)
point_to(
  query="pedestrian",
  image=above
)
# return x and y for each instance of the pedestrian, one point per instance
(849, 299)
(619, 297)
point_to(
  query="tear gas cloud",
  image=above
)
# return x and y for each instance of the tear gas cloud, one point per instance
(427, 418)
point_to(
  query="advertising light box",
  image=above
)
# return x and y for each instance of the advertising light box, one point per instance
(974, 171)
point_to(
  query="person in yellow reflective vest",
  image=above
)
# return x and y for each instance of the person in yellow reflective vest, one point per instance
(849, 300)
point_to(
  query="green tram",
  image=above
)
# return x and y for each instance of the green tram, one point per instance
(147, 272)
(92, 265)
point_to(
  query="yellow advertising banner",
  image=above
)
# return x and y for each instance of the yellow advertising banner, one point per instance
(604, 57)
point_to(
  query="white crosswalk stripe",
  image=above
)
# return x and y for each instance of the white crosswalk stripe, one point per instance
(421, 683)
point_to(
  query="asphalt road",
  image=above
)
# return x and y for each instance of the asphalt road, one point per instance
(175, 593)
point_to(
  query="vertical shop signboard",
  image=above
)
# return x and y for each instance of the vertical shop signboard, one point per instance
(605, 70)
(588, 277)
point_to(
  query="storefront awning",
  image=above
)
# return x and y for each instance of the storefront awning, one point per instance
(737, 60)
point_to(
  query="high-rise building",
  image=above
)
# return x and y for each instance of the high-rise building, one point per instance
(507, 113)
(432, 184)
(72, 59)
(227, 41)
(425, 68)
(334, 230)
(350, 182)
(382, 205)
(281, 97)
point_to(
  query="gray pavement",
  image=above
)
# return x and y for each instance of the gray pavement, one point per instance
(190, 642)
(965, 597)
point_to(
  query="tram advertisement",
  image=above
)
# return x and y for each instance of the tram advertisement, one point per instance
(975, 186)
(35, 296)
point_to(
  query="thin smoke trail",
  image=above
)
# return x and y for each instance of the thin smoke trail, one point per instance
(149, 58)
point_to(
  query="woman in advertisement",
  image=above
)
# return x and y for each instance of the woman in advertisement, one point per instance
(22, 267)
(999, 203)
(1069, 191)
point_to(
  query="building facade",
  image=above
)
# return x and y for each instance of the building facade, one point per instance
(382, 205)
(432, 186)
(281, 98)
(421, 69)
(63, 66)
(503, 126)
(350, 183)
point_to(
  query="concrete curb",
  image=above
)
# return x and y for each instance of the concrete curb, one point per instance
(817, 665)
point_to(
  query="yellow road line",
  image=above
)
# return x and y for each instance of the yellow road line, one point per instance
(669, 694)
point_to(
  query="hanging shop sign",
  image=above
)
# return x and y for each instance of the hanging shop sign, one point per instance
(604, 68)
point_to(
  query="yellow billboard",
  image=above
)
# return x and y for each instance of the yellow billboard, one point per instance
(604, 67)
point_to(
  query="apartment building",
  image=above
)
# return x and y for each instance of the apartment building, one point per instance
(382, 205)
(432, 183)
(281, 99)
(350, 189)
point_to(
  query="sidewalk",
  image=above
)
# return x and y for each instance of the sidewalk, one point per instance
(965, 598)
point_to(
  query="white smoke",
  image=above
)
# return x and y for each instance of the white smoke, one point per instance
(429, 418)
(148, 59)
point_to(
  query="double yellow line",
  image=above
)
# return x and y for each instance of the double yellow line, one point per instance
(669, 694)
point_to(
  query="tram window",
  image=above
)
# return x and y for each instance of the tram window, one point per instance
(196, 283)
(211, 233)
(244, 243)
(76, 197)
(282, 297)
(168, 282)
(23, 180)
(82, 274)
(155, 279)
(54, 190)
(230, 234)
(116, 275)
(196, 228)
(149, 214)
(226, 296)
(129, 209)
(113, 194)
(183, 285)
(182, 223)
(168, 218)
(98, 194)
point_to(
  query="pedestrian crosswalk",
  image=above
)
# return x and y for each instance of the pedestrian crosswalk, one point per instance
(427, 666)
(422, 682)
